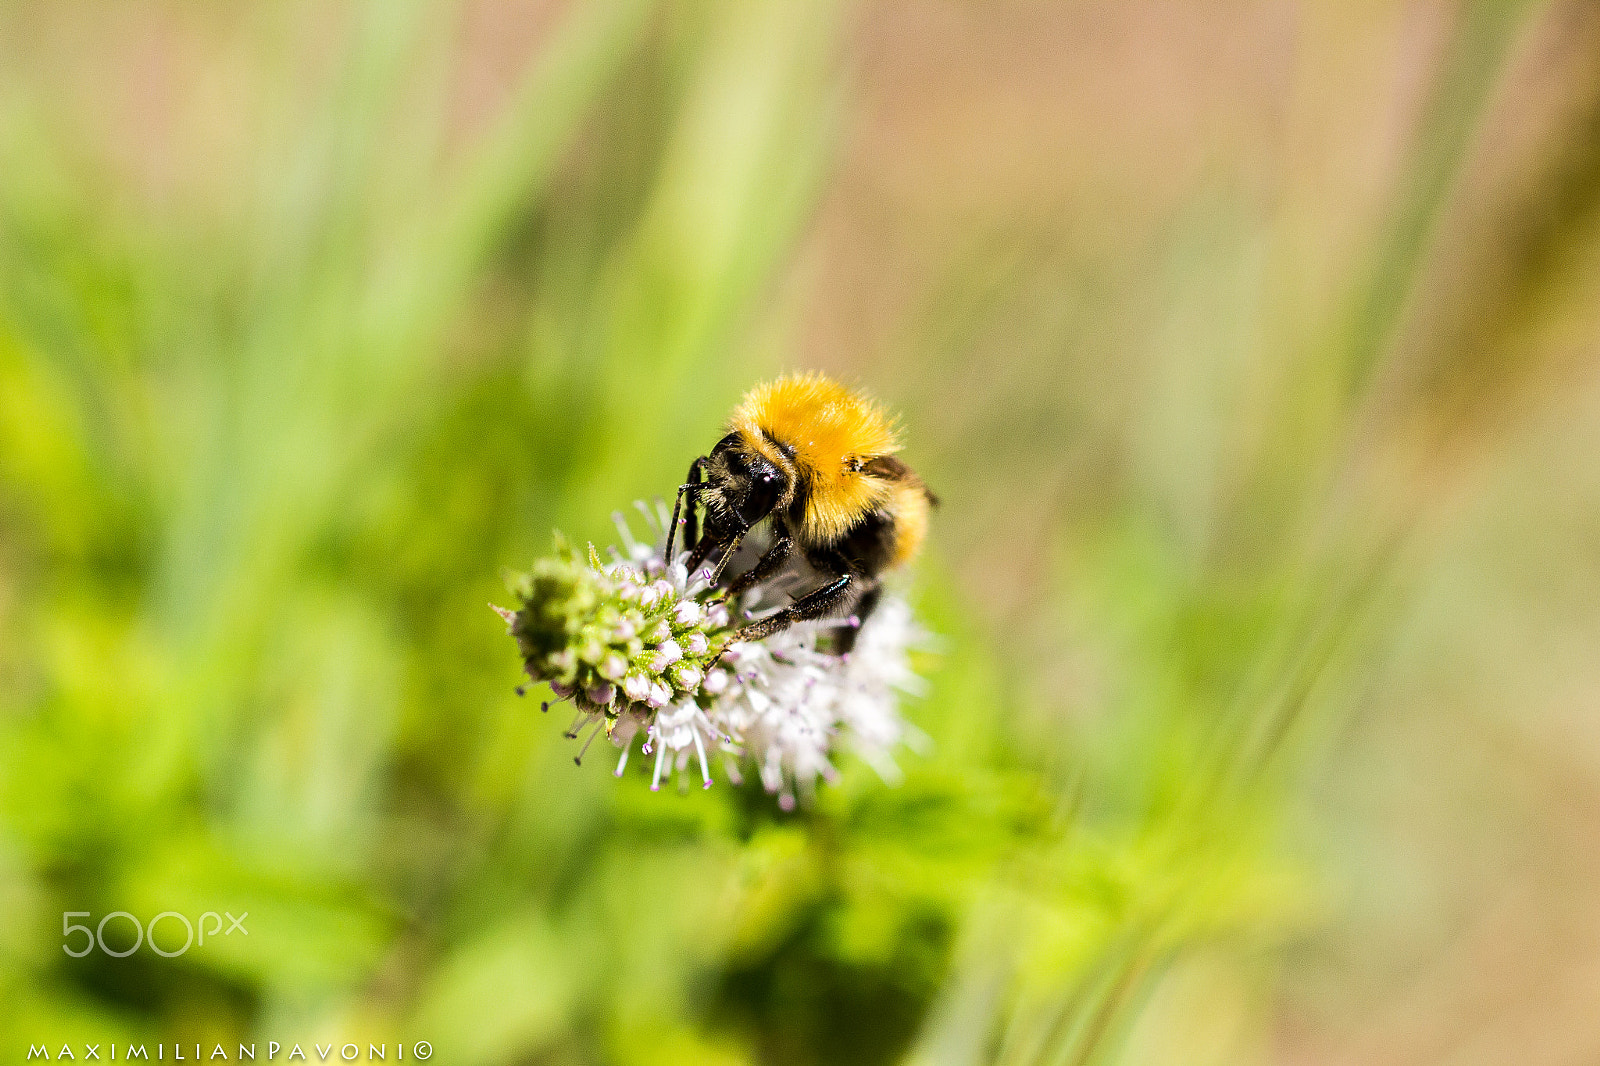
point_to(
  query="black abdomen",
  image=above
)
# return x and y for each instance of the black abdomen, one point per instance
(869, 546)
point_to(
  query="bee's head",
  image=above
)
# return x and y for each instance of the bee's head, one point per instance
(742, 487)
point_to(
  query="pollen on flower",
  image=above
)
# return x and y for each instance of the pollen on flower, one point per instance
(644, 649)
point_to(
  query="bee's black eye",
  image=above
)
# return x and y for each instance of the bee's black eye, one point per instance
(766, 484)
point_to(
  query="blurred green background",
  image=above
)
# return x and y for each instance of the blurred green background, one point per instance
(1251, 346)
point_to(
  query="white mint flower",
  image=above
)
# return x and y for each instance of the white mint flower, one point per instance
(873, 676)
(644, 648)
(637, 686)
(667, 653)
(676, 731)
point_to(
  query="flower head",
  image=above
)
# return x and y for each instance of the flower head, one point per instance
(641, 647)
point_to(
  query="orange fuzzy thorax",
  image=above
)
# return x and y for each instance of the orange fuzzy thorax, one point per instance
(833, 432)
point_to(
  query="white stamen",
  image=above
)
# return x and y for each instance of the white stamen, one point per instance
(700, 749)
(592, 734)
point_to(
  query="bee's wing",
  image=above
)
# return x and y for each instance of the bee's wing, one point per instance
(889, 468)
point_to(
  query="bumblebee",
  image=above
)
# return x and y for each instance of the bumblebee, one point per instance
(817, 461)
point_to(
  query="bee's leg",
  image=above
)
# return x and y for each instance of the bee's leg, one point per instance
(691, 530)
(691, 526)
(775, 556)
(847, 634)
(818, 603)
